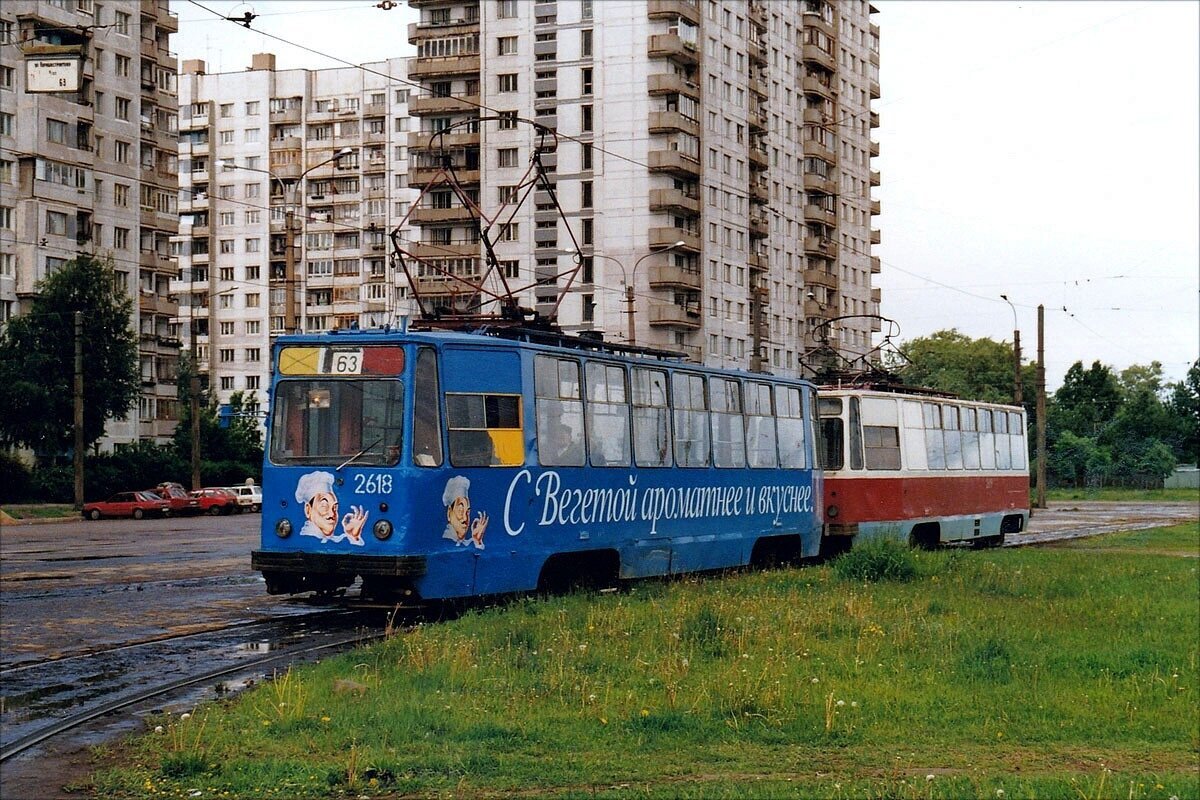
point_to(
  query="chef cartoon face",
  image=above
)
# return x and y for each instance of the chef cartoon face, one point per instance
(322, 511)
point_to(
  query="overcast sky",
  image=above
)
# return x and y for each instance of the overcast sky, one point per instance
(1043, 150)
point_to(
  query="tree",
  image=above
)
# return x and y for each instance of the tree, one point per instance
(229, 454)
(974, 369)
(37, 357)
(1087, 400)
(1141, 378)
(1184, 405)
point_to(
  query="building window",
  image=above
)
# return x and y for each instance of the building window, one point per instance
(507, 156)
(507, 82)
(122, 23)
(506, 9)
(6, 77)
(508, 120)
(252, 108)
(585, 118)
(121, 238)
(56, 223)
(585, 42)
(506, 46)
(585, 200)
(510, 232)
(121, 109)
(587, 80)
(56, 131)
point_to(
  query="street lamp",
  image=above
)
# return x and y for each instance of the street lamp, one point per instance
(1017, 394)
(629, 279)
(290, 231)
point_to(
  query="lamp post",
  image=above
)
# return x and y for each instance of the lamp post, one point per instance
(1018, 396)
(628, 280)
(289, 230)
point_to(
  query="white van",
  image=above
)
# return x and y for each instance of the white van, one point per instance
(248, 497)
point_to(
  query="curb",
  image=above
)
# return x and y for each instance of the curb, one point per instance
(6, 520)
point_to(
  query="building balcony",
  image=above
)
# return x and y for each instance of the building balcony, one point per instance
(816, 309)
(759, 158)
(873, 57)
(429, 250)
(428, 140)
(876, 236)
(669, 9)
(810, 52)
(876, 295)
(817, 22)
(673, 162)
(759, 192)
(813, 85)
(819, 183)
(672, 121)
(668, 45)
(669, 276)
(288, 115)
(424, 68)
(673, 201)
(876, 208)
(756, 10)
(665, 237)
(815, 116)
(873, 89)
(814, 213)
(755, 51)
(419, 106)
(431, 216)
(876, 265)
(874, 149)
(874, 117)
(820, 246)
(671, 83)
(759, 226)
(419, 176)
(759, 262)
(820, 277)
(459, 26)
(669, 315)
(445, 285)
(157, 304)
(875, 177)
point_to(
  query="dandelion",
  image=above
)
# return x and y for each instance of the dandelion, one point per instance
(603, 721)
(184, 716)
(930, 776)
(158, 728)
(854, 704)
(324, 719)
(583, 648)
(266, 723)
(841, 703)
(999, 793)
(816, 680)
(645, 712)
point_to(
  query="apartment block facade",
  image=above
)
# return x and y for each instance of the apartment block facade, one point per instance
(92, 171)
(713, 156)
(290, 183)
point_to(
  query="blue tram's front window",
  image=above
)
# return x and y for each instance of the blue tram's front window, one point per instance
(337, 421)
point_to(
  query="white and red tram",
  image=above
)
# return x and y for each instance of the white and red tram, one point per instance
(921, 468)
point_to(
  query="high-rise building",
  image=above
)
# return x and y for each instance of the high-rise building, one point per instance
(713, 166)
(291, 181)
(91, 169)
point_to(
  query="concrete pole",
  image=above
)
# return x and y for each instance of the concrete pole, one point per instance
(1018, 394)
(289, 273)
(1041, 409)
(630, 335)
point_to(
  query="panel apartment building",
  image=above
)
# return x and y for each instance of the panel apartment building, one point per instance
(290, 182)
(93, 171)
(715, 156)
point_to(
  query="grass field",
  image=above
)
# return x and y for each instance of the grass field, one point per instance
(39, 510)
(1064, 672)
(1117, 494)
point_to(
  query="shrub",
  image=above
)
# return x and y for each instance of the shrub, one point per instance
(878, 559)
(16, 481)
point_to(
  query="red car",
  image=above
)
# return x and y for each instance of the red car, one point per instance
(128, 504)
(215, 501)
(174, 493)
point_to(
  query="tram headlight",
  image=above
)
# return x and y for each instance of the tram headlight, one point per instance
(831, 512)
(283, 529)
(382, 529)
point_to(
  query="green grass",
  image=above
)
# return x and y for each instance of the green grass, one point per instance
(1041, 672)
(39, 510)
(1116, 494)
(1183, 540)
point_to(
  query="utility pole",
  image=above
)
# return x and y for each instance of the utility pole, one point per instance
(78, 410)
(289, 276)
(629, 336)
(1041, 409)
(1018, 395)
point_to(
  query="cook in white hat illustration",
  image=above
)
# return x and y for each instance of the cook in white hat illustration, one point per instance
(315, 491)
(458, 514)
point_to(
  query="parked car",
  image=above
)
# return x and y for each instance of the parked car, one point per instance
(248, 497)
(128, 504)
(215, 500)
(174, 493)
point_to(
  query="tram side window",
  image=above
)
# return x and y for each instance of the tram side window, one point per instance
(881, 433)
(651, 418)
(1003, 450)
(760, 426)
(559, 412)
(935, 451)
(728, 430)
(970, 439)
(855, 428)
(987, 440)
(914, 435)
(607, 415)
(953, 437)
(789, 418)
(485, 430)
(691, 419)
(1016, 440)
(427, 416)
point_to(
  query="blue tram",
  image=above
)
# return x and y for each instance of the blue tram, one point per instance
(437, 465)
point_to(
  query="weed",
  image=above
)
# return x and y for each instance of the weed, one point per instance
(874, 560)
(990, 661)
(702, 631)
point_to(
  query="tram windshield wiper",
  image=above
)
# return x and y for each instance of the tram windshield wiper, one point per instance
(365, 450)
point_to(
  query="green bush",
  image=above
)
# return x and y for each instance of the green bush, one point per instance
(879, 559)
(16, 481)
